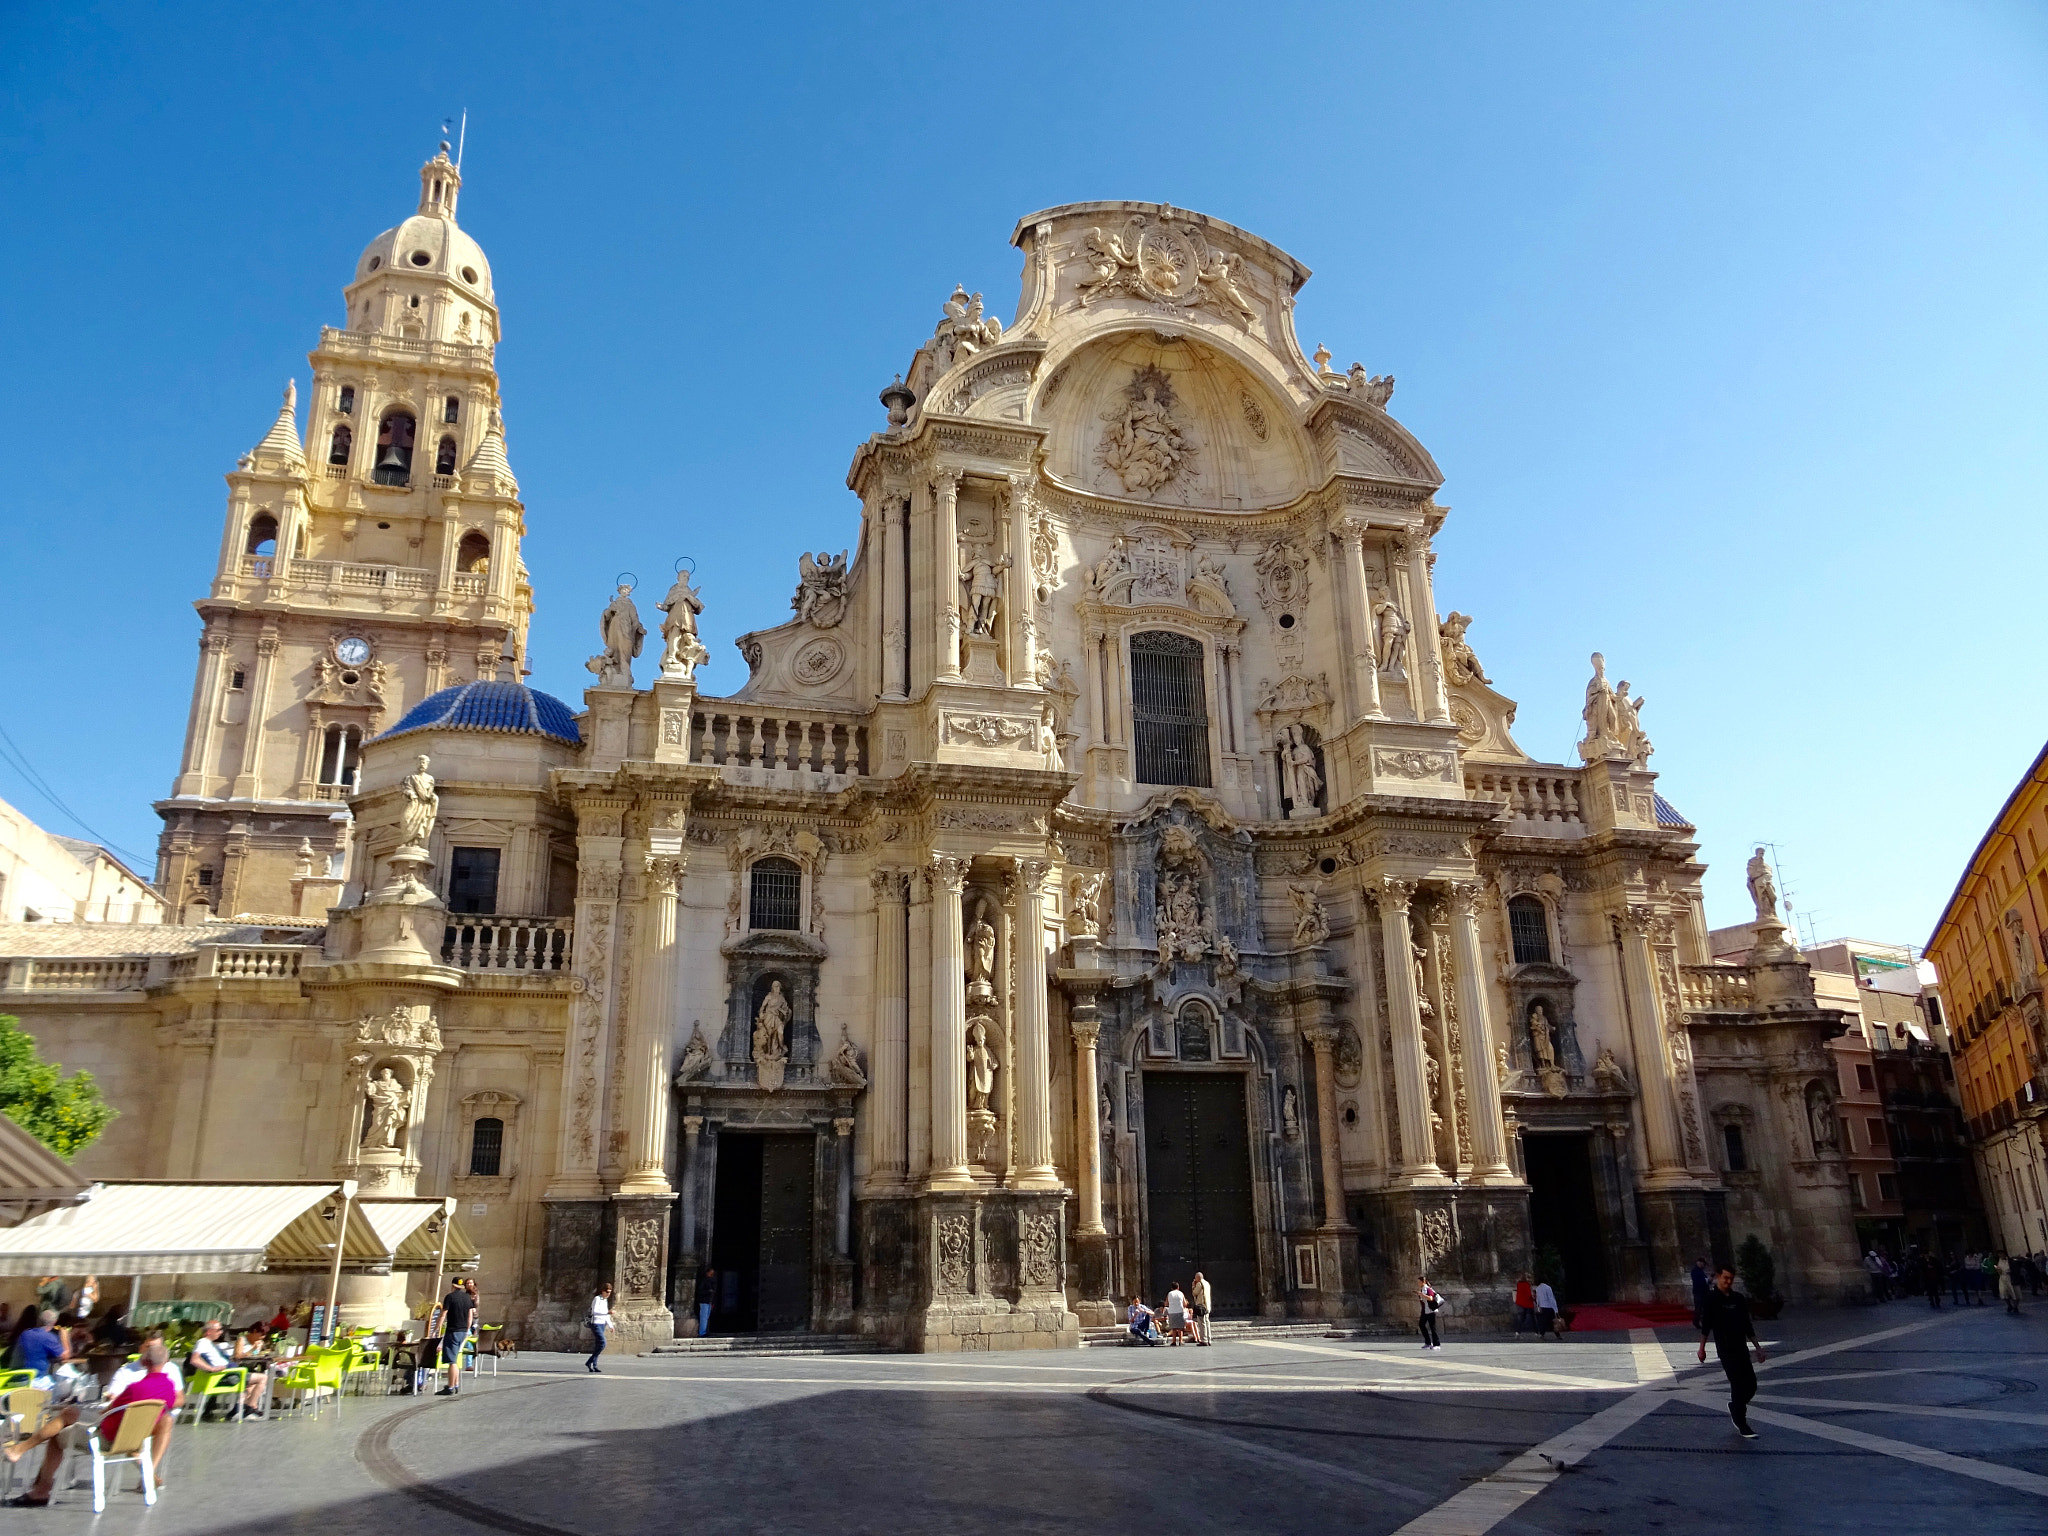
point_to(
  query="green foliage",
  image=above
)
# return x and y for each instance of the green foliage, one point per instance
(66, 1114)
(1550, 1265)
(1759, 1274)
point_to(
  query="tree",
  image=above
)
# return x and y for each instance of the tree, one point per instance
(66, 1114)
(1759, 1272)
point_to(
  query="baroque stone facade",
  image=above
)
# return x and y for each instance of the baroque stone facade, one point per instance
(1112, 869)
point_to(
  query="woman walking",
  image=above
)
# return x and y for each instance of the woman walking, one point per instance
(1432, 1304)
(600, 1325)
(2007, 1291)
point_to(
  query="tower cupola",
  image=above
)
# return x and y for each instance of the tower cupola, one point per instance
(440, 180)
(426, 280)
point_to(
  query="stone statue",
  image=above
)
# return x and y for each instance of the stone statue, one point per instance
(1108, 1111)
(387, 1097)
(1628, 724)
(1820, 1112)
(1500, 1063)
(696, 1056)
(2026, 966)
(1417, 956)
(1541, 1039)
(682, 651)
(1084, 911)
(1304, 783)
(981, 1065)
(1142, 443)
(1392, 630)
(1290, 1113)
(1602, 716)
(844, 1068)
(1114, 573)
(1459, 659)
(1217, 282)
(422, 805)
(1226, 958)
(821, 589)
(964, 330)
(983, 580)
(1608, 1074)
(1311, 923)
(981, 953)
(771, 1026)
(620, 628)
(1763, 890)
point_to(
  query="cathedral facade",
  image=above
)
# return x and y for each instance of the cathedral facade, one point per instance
(1114, 867)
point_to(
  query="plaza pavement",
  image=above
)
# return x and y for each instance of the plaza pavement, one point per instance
(1888, 1418)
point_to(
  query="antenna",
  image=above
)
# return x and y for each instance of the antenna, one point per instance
(461, 135)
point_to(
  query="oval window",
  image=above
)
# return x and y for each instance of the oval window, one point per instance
(376, 262)
(469, 274)
(420, 258)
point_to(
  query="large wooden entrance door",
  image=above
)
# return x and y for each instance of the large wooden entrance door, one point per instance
(761, 1233)
(1198, 1188)
(1564, 1213)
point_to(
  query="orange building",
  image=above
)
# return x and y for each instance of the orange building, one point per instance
(1988, 949)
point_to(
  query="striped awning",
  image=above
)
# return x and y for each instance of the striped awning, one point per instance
(402, 1226)
(162, 1228)
(31, 1172)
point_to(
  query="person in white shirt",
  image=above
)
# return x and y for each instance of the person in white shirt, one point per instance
(1546, 1310)
(1199, 1298)
(208, 1355)
(1176, 1315)
(600, 1325)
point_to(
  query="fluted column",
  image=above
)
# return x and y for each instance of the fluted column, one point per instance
(1404, 1014)
(647, 1051)
(248, 782)
(1035, 1168)
(895, 579)
(946, 573)
(1653, 1061)
(888, 1146)
(1430, 702)
(1087, 1120)
(1482, 1078)
(948, 876)
(1323, 1041)
(1019, 585)
(1365, 667)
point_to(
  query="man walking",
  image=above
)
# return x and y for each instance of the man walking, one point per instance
(1200, 1300)
(707, 1296)
(1700, 1283)
(1725, 1319)
(1432, 1304)
(600, 1325)
(458, 1307)
(1546, 1311)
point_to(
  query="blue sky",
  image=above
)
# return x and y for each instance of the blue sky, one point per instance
(1726, 324)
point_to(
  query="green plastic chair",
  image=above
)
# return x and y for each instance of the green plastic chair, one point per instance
(231, 1383)
(9, 1380)
(362, 1361)
(320, 1370)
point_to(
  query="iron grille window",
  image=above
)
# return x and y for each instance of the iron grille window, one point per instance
(486, 1148)
(1169, 709)
(473, 880)
(775, 895)
(1530, 931)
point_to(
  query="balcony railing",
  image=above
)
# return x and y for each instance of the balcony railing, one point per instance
(741, 739)
(362, 578)
(262, 567)
(531, 944)
(42, 974)
(1541, 795)
(240, 962)
(467, 584)
(1716, 988)
(369, 344)
(136, 973)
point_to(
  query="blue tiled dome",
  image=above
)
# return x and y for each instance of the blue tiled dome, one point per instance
(512, 708)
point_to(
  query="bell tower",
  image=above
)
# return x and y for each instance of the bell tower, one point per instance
(360, 570)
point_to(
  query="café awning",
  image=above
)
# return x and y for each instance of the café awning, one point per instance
(33, 1177)
(149, 1227)
(411, 1235)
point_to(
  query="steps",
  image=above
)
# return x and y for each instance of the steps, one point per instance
(1237, 1330)
(720, 1346)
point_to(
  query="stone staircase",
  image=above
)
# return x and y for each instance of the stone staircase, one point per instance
(1238, 1330)
(725, 1345)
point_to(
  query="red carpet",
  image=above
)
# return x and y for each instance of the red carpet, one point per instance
(1620, 1316)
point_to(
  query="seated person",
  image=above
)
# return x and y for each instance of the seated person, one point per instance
(1140, 1320)
(66, 1432)
(41, 1349)
(208, 1355)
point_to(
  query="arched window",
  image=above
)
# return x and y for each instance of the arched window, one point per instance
(451, 410)
(347, 403)
(394, 449)
(341, 755)
(338, 446)
(775, 895)
(1169, 709)
(486, 1148)
(444, 457)
(473, 554)
(1530, 929)
(1731, 1144)
(262, 534)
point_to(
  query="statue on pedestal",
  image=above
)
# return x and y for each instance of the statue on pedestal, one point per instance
(682, 651)
(981, 954)
(983, 579)
(845, 1068)
(622, 632)
(422, 805)
(387, 1098)
(771, 1030)
(1763, 890)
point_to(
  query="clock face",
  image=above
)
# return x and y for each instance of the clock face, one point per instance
(352, 651)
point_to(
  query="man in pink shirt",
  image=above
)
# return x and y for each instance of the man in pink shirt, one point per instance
(65, 1432)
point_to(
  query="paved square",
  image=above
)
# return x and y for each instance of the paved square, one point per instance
(1895, 1418)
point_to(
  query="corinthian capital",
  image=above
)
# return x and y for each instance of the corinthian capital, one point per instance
(1086, 1034)
(1396, 894)
(1641, 919)
(1322, 1039)
(948, 874)
(1031, 873)
(666, 871)
(1465, 895)
(889, 884)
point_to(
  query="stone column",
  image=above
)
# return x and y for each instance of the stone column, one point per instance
(895, 582)
(647, 1045)
(946, 574)
(249, 781)
(889, 1065)
(1087, 1118)
(1365, 667)
(1430, 701)
(1019, 585)
(1482, 1078)
(583, 1063)
(1033, 1095)
(1323, 1041)
(1404, 1014)
(693, 1129)
(948, 877)
(842, 1225)
(1653, 1062)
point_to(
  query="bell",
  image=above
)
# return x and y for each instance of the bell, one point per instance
(392, 457)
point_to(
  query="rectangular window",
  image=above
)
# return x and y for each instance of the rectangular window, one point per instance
(1875, 1128)
(1169, 709)
(347, 404)
(1887, 1186)
(1731, 1143)
(1856, 1190)
(486, 1148)
(235, 681)
(205, 875)
(1865, 1081)
(1529, 928)
(473, 880)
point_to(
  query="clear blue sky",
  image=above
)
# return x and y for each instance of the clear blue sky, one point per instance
(1726, 324)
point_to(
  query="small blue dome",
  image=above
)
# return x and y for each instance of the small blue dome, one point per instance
(512, 708)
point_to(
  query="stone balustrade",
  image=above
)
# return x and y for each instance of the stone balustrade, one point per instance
(59, 974)
(740, 739)
(239, 962)
(367, 344)
(1716, 988)
(137, 973)
(535, 945)
(343, 574)
(1547, 795)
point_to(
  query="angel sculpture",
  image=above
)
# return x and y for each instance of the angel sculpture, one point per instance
(821, 589)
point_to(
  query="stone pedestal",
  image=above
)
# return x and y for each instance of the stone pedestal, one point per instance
(1676, 1230)
(981, 664)
(571, 1265)
(984, 1272)
(637, 1267)
(1469, 1242)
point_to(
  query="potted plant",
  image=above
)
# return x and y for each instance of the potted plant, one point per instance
(1759, 1278)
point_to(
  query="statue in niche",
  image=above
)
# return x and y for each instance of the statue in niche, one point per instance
(422, 805)
(1608, 1074)
(1311, 922)
(820, 598)
(1084, 905)
(622, 632)
(1541, 1038)
(1108, 1111)
(682, 651)
(1290, 1113)
(1114, 574)
(1763, 890)
(1820, 1115)
(387, 1098)
(983, 580)
(845, 1068)
(1182, 926)
(981, 1066)
(1501, 1071)
(1417, 956)
(1459, 658)
(1144, 445)
(696, 1055)
(981, 954)
(1392, 631)
(771, 1026)
(1304, 782)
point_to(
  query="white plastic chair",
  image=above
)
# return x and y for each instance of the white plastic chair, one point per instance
(131, 1444)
